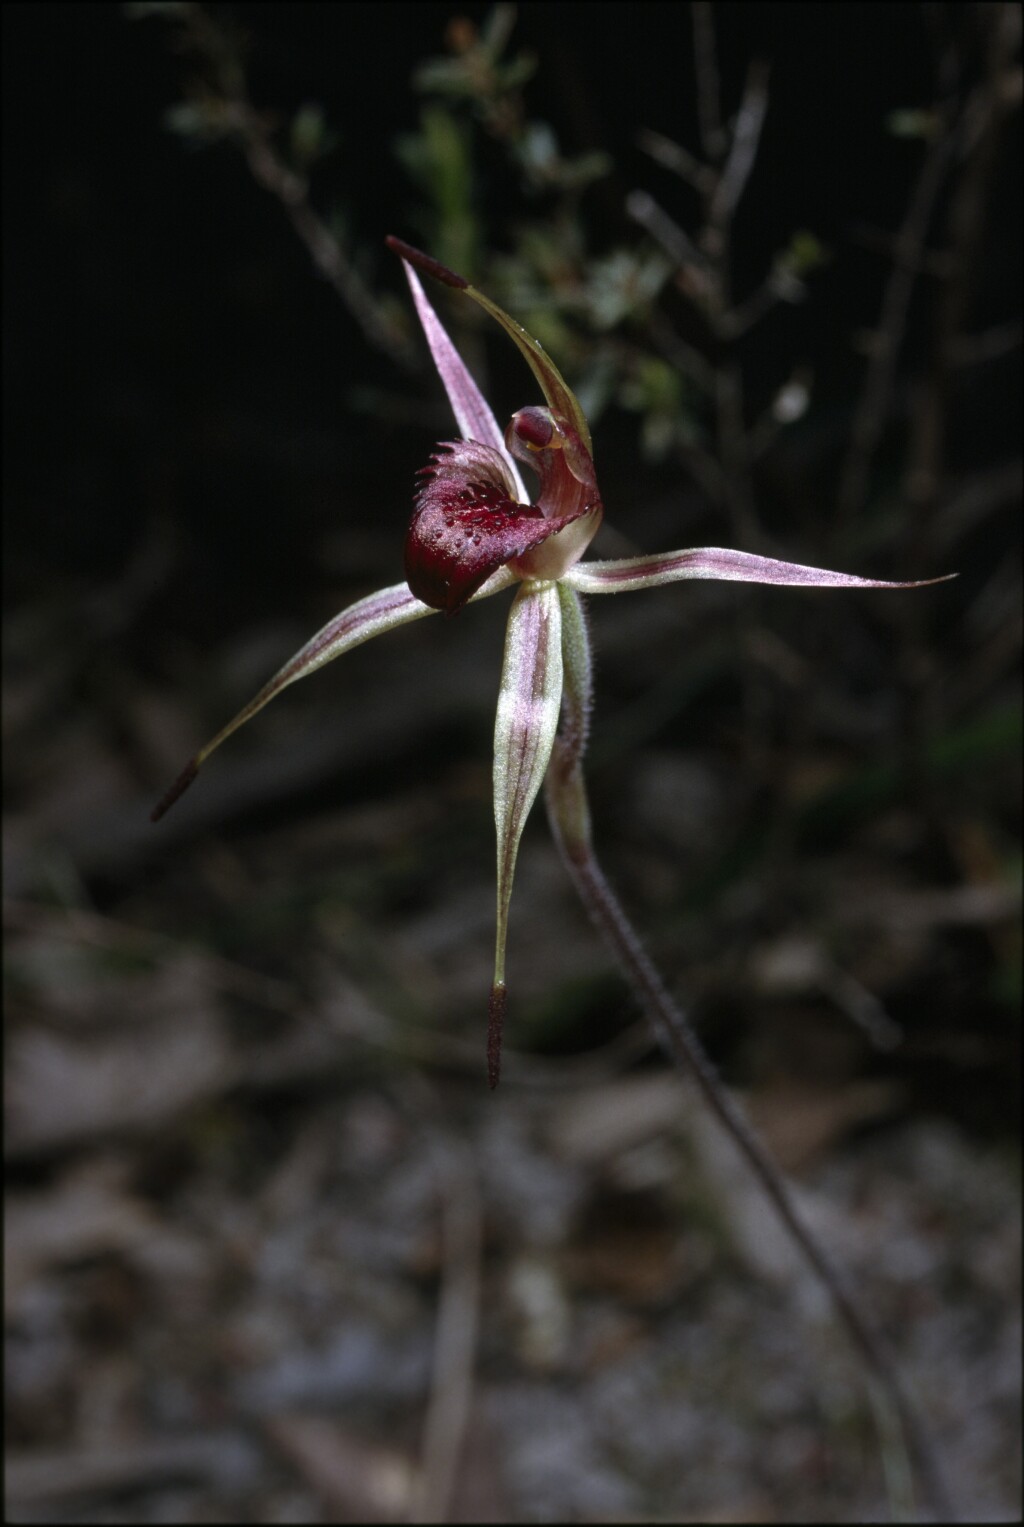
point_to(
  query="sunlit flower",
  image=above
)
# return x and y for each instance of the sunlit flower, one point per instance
(474, 532)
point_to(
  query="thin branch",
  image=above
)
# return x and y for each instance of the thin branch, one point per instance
(910, 253)
(664, 230)
(672, 156)
(720, 208)
(746, 136)
(705, 265)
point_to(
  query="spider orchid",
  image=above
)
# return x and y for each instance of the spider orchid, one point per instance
(474, 532)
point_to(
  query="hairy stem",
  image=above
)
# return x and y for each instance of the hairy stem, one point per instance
(569, 815)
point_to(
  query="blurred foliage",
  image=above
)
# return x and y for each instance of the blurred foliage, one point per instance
(485, 171)
(439, 160)
(586, 304)
(649, 324)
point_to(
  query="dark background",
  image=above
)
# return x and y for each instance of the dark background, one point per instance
(810, 802)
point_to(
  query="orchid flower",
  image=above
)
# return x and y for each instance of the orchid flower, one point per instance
(473, 533)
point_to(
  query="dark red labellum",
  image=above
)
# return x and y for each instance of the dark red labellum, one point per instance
(467, 523)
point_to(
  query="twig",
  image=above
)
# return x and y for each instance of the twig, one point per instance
(730, 153)
(715, 241)
(677, 159)
(664, 230)
(908, 260)
(746, 135)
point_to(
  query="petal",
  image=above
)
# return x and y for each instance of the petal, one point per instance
(471, 409)
(528, 707)
(466, 524)
(560, 398)
(379, 612)
(717, 562)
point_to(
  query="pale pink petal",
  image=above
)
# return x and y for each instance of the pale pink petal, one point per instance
(620, 577)
(471, 409)
(561, 399)
(524, 732)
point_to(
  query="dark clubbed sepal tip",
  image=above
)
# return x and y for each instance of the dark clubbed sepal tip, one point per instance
(495, 1025)
(425, 262)
(176, 791)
